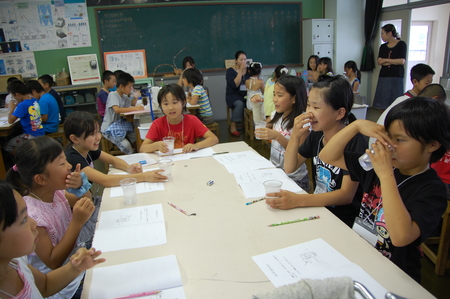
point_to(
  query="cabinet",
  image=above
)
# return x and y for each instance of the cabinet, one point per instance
(318, 38)
(81, 97)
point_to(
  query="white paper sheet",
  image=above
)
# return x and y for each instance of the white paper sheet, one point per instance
(315, 259)
(130, 228)
(142, 187)
(138, 158)
(178, 156)
(158, 274)
(248, 160)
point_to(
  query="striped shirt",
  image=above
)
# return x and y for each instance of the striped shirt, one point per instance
(203, 101)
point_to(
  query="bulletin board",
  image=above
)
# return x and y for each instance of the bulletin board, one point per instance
(84, 69)
(132, 62)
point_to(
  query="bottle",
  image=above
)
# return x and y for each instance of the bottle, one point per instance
(161, 84)
(365, 161)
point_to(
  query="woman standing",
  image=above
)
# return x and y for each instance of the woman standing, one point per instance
(236, 90)
(391, 57)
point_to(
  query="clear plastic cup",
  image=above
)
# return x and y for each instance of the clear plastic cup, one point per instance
(166, 165)
(272, 186)
(259, 125)
(170, 142)
(366, 163)
(129, 190)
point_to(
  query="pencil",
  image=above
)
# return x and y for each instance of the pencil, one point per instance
(295, 221)
(256, 200)
(180, 209)
(139, 295)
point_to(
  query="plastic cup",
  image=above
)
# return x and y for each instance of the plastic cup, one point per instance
(272, 186)
(166, 165)
(170, 142)
(129, 190)
(259, 125)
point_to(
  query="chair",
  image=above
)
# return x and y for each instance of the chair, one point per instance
(59, 135)
(229, 112)
(248, 123)
(110, 148)
(441, 259)
(214, 127)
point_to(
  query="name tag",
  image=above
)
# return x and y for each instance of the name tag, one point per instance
(242, 87)
(366, 231)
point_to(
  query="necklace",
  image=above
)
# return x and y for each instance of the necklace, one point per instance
(35, 196)
(182, 129)
(89, 163)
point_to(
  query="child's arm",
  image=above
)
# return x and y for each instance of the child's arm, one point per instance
(355, 86)
(289, 200)
(192, 99)
(333, 152)
(12, 106)
(54, 256)
(292, 159)
(209, 140)
(150, 146)
(118, 110)
(54, 281)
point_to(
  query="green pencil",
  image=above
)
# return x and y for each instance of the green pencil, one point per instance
(295, 221)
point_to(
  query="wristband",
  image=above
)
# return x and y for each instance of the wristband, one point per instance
(84, 187)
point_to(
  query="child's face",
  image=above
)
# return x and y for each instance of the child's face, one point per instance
(312, 63)
(184, 81)
(410, 155)
(420, 85)
(189, 65)
(57, 171)
(321, 67)
(44, 85)
(21, 237)
(111, 82)
(323, 116)
(126, 89)
(282, 99)
(91, 142)
(35, 95)
(172, 108)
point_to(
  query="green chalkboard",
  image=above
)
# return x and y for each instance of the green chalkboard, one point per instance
(269, 33)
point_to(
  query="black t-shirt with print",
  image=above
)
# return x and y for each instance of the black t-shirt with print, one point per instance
(74, 157)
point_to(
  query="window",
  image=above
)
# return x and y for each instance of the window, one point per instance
(419, 41)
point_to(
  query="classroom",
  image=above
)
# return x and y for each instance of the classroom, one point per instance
(218, 248)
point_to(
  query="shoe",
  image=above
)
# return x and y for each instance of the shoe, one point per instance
(235, 133)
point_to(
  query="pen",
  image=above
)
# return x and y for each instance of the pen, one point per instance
(181, 210)
(220, 153)
(295, 221)
(139, 295)
(256, 200)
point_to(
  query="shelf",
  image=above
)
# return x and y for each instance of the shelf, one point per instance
(78, 104)
(77, 87)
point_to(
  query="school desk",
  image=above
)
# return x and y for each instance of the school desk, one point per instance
(6, 129)
(214, 249)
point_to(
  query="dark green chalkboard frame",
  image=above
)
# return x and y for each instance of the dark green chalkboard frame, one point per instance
(268, 32)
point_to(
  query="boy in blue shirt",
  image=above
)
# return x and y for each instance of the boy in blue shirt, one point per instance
(47, 83)
(403, 198)
(48, 105)
(27, 109)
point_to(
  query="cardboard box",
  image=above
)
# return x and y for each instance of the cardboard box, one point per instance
(4, 79)
(62, 81)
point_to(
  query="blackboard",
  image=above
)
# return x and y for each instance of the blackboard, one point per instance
(269, 33)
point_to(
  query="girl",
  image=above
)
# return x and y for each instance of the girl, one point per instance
(290, 101)
(193, 79)
(325, 66)
(311, 74)
(184, 127)
(188, 63)
(269, 106)
(255, 89)
(83, 131)
(27, 109)
(328, 111)
(40, 174)
(18, 237)
(391, 58)
(353, 75)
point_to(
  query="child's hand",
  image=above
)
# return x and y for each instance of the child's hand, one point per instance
(189, 148)
(85, 259)
(155, 176)
(300, 121)
(283, 200)
(74, 179)
(139, 107)
(135, 168)
(371, 129)
(381, 159)
(162, 147)
(82, 210)
(256, 98)
(266, 134)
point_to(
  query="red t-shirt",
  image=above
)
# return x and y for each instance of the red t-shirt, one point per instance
(442, 167)
(191, 128)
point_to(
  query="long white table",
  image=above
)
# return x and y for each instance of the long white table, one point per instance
(214, 248)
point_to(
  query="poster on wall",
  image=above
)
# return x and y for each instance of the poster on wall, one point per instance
(19, 63)
(132, 62)
(43, 25)
(84, 69)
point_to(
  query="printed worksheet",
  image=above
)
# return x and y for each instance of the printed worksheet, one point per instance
(130, 228)
(179, 156)
(144, 159)
(142, 187)
(315, 259)
(158, 274)
(247, 160)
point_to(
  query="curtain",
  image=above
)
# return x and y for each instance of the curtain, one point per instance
(371, 22)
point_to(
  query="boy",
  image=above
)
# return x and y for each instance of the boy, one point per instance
(109, 82)
(47, 83)
(401, 206)
(9, 97)
(27, 109)
(114, 128)
(48, 105)
(434, 91)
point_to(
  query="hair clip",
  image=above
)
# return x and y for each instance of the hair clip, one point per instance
(284, 70)
(253, 64)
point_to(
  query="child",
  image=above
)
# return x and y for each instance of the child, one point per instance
(42, 173)
(290, 101)
(403, 198)
(27, 110)
(18, 235)
(82, 129)
(114, 128)
(325, 66)
(353, 75)
(48, 105)
(269, 106)
(329, 103)
(255, 89)
(9, 97)
(109, 82)
(47, 83)
(188, 63)
(193, 79)
(311, 74)
(184, 127)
